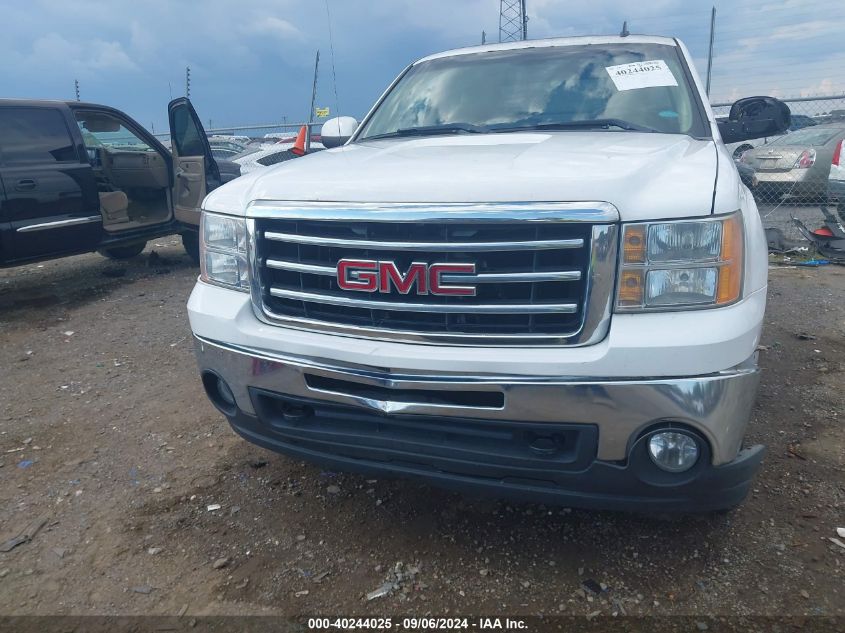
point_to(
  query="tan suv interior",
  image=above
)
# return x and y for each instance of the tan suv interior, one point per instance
(133, 178)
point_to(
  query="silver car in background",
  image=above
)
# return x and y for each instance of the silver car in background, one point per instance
(797, 164)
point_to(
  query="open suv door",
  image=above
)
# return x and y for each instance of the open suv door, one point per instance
(196, 171)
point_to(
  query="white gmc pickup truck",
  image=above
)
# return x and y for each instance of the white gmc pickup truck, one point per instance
(532, 270)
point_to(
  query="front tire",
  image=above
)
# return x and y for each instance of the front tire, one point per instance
(191, 243)
(123, 252)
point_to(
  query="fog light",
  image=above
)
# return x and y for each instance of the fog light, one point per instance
(673, 451)
(225, 392)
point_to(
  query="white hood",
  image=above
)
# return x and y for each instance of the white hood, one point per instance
(645, 175)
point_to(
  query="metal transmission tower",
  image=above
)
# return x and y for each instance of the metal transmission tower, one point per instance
(188, 81)
(513, 21)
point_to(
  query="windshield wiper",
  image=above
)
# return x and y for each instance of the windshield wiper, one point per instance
(574, 125)
(430, 130)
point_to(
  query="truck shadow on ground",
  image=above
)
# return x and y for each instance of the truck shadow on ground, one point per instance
(71, 282)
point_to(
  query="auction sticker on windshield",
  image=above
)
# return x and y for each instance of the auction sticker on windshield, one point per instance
(641, 75)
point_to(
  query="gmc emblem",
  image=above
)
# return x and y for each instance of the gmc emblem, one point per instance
(364, 275)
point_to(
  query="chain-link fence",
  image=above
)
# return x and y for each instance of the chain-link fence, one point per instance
(269, 132)
(788, 174)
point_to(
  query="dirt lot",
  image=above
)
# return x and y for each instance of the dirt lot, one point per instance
(106, 434)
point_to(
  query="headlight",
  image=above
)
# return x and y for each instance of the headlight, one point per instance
(223, 251)
(670, 265)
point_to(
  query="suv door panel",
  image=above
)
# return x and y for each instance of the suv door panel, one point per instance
(134, 169)
(196, 171)
(51, 203)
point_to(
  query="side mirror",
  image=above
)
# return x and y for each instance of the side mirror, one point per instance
(337, 131)
(755, 117)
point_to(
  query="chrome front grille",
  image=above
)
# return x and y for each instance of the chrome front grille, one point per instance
(543, 272)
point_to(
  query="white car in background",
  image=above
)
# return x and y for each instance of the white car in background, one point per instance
(268, 156)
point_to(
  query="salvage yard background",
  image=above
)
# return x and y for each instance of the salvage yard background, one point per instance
(111, 457)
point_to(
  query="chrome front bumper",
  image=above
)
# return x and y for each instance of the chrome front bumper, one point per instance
(718, 406)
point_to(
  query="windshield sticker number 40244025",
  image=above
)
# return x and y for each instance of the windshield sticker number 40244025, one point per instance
(641, 75)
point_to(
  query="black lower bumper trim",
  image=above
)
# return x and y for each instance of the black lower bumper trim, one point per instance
(635, 486)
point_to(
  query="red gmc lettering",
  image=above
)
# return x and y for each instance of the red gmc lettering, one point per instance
(435, 271)
(389, 273)
(357, 274)
(364, 275)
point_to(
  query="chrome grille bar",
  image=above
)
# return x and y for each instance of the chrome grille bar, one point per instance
(530, 277)
(442, 247)
(352, 302)
(472, 212)
(296, 267)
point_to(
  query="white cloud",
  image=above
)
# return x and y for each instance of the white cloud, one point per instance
(274, 27)
(52, 51)
(109, 56)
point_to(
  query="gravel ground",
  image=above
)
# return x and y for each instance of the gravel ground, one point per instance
(108, 443)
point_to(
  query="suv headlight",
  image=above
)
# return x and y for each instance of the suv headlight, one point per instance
(681, 264)
(223, 258)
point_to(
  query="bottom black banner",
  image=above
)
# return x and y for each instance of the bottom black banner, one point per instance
(568, 624)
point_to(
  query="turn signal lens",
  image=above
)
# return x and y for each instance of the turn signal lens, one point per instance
(634, 244)
(631, 288)
(730, 275)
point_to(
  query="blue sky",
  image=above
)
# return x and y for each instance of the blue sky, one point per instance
(252, 60)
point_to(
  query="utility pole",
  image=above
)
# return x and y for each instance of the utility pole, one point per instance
(710, 51)
(188, 81)
(524, 22)
(314, 89)
(76, 87)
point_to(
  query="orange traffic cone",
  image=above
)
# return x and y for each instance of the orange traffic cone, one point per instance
(299, 145)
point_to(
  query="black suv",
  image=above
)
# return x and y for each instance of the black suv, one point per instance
(79, 177)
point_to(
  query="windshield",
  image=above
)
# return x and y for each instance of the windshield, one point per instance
(102, 130)
(642, 85)
(812, 136)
